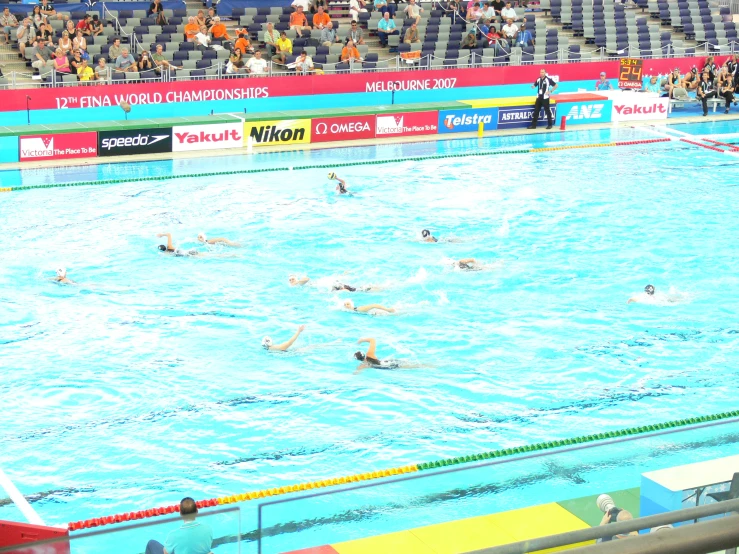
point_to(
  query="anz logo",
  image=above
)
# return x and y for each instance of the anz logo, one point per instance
(586, 111)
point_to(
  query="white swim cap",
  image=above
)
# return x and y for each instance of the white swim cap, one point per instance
(61, 272)
(348, 304)
(202, 237)
(266, 342)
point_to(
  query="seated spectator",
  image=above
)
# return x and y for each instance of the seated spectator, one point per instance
(383, 7)
(71, 28)
(209, 19)
(61, 63)
(454, 10)
(603, 83)
(315, 4)
(236, 55)
(218, 30)
(85, 72)
(270, 38)
(284, 47)
(41, 23)
(160, 62)
(498, 6)
(243, 45)
(48, 10)
(350, 53)
(321, 19)
(75, 60)
(298, 21)
(125, 61)
(96, 25)
(413, 11)
(355, 8)
(726, 86)
(690, 79)
(257, 65)
(304, 63)
(651, 84)
(493, 36)
(8, 22)
(356, 35)
(85, 25)
(469, 42)
(488, 12)
(145, 63)
(509, 31)
(524, 37)
(706, 91)
(65, 43)
(80, 43)
(304, 4)
(154, 8)
(115, 49)
(474, 13)
(102, 71)
(234, 67)
(44, 57)
(328, 35)
(385, 28)
(25, 35)
(411, 35)
(191, 29)
(201, 20)
(673, 81)
(202, 39)
(192, 538)
(508, 13)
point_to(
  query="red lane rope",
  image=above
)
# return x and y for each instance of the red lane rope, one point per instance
(703, 145)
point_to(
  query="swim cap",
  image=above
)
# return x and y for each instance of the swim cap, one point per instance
(332, 175)
(162, 248)
(348, 304)
(61, 272)
(292, 279)
(649, 289)
(425, 233)
(266, 342)
(202, 237)
(359, 356)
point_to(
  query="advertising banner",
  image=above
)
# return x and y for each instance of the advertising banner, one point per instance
(126, 142)
(63, 146)
(628, 106)
(286, 131)
(217, 136)
(407, 124)
(8, 151)
(580, 113)
(343, 128)
(462, 121)
(512, 118)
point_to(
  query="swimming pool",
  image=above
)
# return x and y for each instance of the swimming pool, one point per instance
(147, 381)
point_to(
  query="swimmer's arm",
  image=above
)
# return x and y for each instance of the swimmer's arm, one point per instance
(342, 183)
(368, 307)
(170, 246)
(303, 280)
(285, 345)
(370, 350)
(360, 368)
(222, 240)
(468, 261)
(632, 300)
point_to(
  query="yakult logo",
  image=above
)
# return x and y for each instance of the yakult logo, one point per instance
(640, 108)
(207, 137)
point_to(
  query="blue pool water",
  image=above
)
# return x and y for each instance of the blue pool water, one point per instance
(146, 380)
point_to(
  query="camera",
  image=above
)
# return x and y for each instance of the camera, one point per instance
(605, 503)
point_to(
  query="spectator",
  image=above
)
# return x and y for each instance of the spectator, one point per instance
(733, 64)
(328, 35)
(304, 63)
(65, 43)
(508, 13)
(493, 38)
(102, 71)
(298, 21)
(96, 25)
(470, 41)
(524, 37)
(321, 19)
(125, 61)
(192, 538)
(498, 6)
(355, 7)
(218, 30)
(284, 47)
(413, 11)
(257, 65)
(488, 11)
(48, 10)
(209, 19)
(115, 49)
(8, 22)
(80, 43)
(673, 81)
(690, 80)
(145, 63)
(474, 13)
(85, 72)
(711, 67)
(25, 35)
(191, 29)
(43, 56)
(155, 8)
(509, 31)
(243, 45)
(71, 28)
(270, 39)
(75, 61)
(706, 91)
(383, 7)
(726, 86)
(603, 83)
(234, 67)
(41, 23)
(545, 87)
(411, 34)
(356, 35)
(61, 63)
(616, 515)
(304, 4)
(454, 11)
(236, 55)
(160, 62)
(484, 28)
(385, 28)
(201, 20)
(318, 4)
(202, 39)
(85, 25)
(651, 84)
(350, 53)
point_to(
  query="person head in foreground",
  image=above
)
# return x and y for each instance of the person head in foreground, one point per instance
(613, 514)
(188, 508)
(190, 538)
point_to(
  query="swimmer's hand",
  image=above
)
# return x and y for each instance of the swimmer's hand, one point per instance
(170, 246)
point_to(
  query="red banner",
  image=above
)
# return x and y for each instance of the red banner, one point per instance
(58, 147)
(343, 128)
(407, 124)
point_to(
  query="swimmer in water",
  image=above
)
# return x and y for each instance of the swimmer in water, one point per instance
(468, 264)
(648, 290)
(61, 277)
(170, 248)
(370, 359)
(295, 281)
(267, 342)
(349, 305)
(428, 237)
(341, 187)
(219, 240)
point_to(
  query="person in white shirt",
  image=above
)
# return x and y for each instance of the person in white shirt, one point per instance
(413, 11)
(257, 64)
(510, 30)
(355, 7)
(234, 67)
(305, 4)
(304, 63)
(488, 12)
(508, 13)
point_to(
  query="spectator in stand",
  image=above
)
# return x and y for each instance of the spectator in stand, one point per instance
(385, 28)
(355, 7)
(328, 35)
(61, 63)
(218, 30)
(85, 25)
(706, 91)
(651, 84)
(413, 11)
(726, 86)
(202, 39)
(508, 13)
(41, 23)
(284, 47)
(8, 22)
(474, 13)
(145, 63)
(201, 20)
(115, 49)
(192, 538)
(318, 4)
(356, 35)
(673, 81)
(191, 29)
(160, 61)
(469, 42)
(235, 56)
(71, 28)
(65, 43)
(243, 45)
(690, 80)
(209, 19)
(43, 56)
(155, 8)
(484, 28)
(524, 38)
(603, 83)
(350, 53)
(298, 21)
(382, 6)
(96, 25)
(270, 39)
(80, 43)
(454, 10)
(234, 67)
(305, 4)
(85, 72)
(304, 63)
(411, 34)
(493, 38)
(257, 65)
(48, 10)
(509, 31)
(488, 11)
(321, 19)
(545, 87)
(711, 67)
(125, 61)
(75, 60)
(102, 71)
(25, 35)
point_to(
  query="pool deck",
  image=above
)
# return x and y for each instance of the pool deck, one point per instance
(474, 533)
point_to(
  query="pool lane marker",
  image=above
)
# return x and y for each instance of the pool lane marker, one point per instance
(501, 453)
(333, 165)
(19, 500)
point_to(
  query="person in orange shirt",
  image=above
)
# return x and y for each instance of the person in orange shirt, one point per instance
(243, 44)
(320, 19)
(218, 30)
(191, 29)
(298, 21)
(350, 53)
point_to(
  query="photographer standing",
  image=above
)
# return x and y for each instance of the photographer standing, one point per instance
(545, 87)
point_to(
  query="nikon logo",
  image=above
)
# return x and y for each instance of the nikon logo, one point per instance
(272, 133)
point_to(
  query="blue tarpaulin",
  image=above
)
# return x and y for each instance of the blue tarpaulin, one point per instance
(225, 7)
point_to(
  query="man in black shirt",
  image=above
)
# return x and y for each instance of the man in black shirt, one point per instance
(545, 87)
(705, 91)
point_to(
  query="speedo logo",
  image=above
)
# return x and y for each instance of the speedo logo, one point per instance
(273, 133)
(138, 140)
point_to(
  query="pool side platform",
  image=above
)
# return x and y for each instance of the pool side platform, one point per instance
(487, 531)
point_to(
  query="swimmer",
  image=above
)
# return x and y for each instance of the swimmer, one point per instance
(370, 359)
(220, 240)
(468, 264)
(170, 248)
(648, 290)
(295, 281)
(61, 277)
(349, 305)
(428, 237)
(267, 342)
(341, 187)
